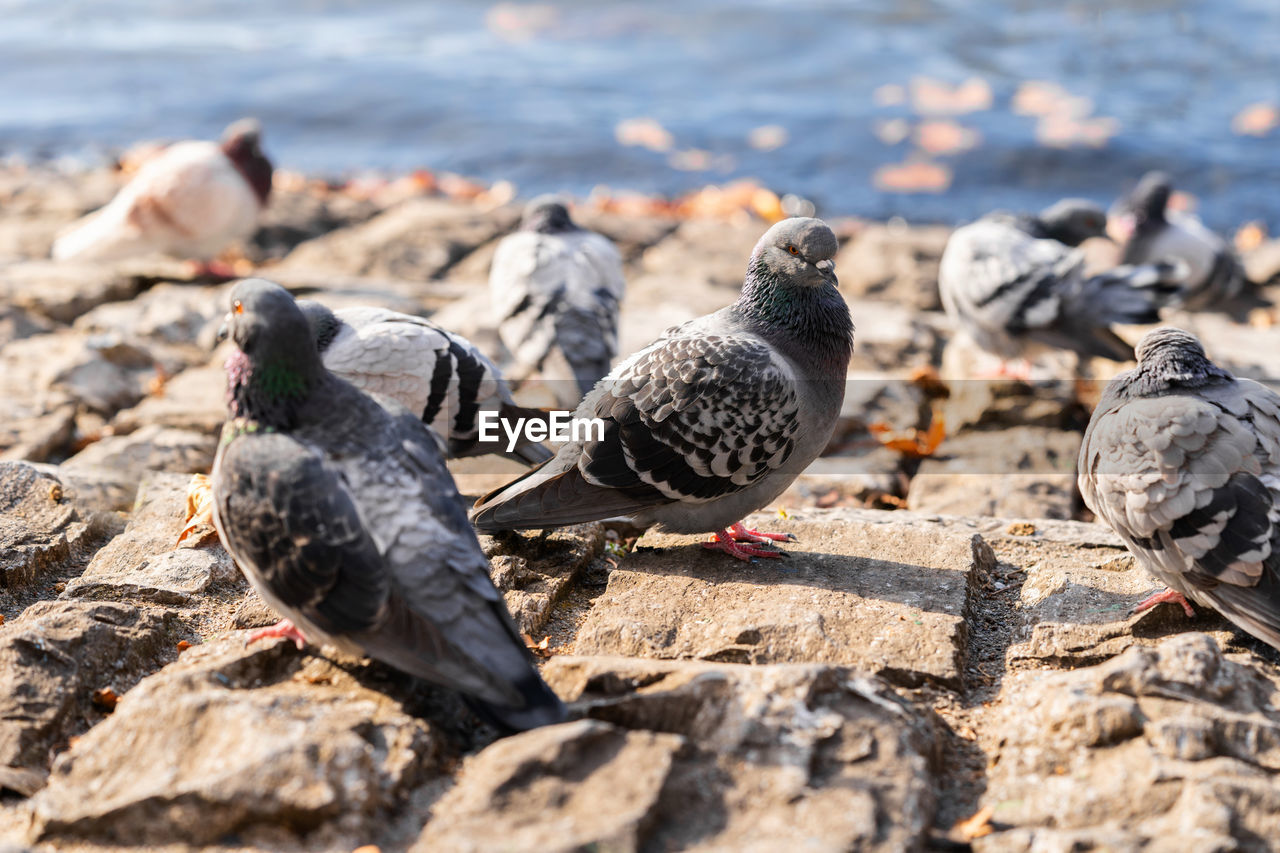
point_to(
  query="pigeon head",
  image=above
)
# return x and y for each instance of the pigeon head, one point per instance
(547, 214)
(242, 143)
(790, 295)
(797, 252)
(1150, 197)
(1173, 357)
(1073, 220)
(275, 364)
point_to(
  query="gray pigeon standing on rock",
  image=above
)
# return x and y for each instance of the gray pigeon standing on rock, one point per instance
(1183, 461)
(1014, 283)
(344, 518)
(427, 369)
(556, 288)
(714, 419)
(1150, 231)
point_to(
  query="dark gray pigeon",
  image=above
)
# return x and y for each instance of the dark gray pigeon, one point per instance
(556, 288)
(1150, 231)
(342, 515)
(1183, 461)
(427, 369)
(1015, 283)
(714, 419)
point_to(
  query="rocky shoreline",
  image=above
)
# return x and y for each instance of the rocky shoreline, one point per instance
(944, 660)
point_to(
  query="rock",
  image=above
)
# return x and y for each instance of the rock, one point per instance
(93, 489)
(705, 253)
(17, 323)
(52, 658)
(695, 756)
(852, 480)
(891, 337)
(253, 612)
(633, 235)
(569, 787)
(40, 527)
(1023, 472)
(1262, 265)
(100, 372)
(193, 401)
(151, 448)
(229, 740)
(534, 572)
(1244, 350)
(297, 215)
(139, 562)
(894, 263)
(172, 318)
(1074, 602)
(416, 240)
(883, 591)
(62, 291)
(1163, 743)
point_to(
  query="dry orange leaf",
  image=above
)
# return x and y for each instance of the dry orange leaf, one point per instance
(913, 443)
(1, 618)
(541, 648)
(975, 826)
(183, 645)
(105, 699)
(199, 510)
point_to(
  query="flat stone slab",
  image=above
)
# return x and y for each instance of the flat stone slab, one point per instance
(40, 526)
(679, 755)
(1174, 747)
(52, 659)
(886, 594)
(534, 572)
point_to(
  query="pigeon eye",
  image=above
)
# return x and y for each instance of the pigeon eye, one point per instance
(237, 307)
(793, 250)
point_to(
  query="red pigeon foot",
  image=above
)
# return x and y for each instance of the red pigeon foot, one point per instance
(283, 628)
(1167, 596)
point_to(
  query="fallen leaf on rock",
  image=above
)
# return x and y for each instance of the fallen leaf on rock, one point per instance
(782, 512)
(105, 699)
(1256, 119)
(1, 618)
(183, 645)
(1021, 528)
(155, 387)
(913, 443)
(541, 649)
(458, 187)
(927, 379)
(975, 826)
(199, 516)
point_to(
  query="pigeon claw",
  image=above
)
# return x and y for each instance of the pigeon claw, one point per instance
(1168, 596)
(283, 628)
(741, 533)
(740, 550)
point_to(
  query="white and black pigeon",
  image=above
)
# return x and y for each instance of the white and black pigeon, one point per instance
(556, 288)
(190, 201)
(714, 419)
(339, 509)
(429, 370)
(1182, 460)
(1150, 231)
(1016, 283)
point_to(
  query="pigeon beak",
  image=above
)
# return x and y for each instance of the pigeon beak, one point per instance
(224, 331)
(828, 270)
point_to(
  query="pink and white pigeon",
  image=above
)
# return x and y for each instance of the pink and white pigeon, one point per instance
(190, 201)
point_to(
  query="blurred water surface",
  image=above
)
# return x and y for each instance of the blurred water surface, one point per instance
(535, 93)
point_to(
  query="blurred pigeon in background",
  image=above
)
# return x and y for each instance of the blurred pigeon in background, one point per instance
(557, 288)
(713, 420)
(190, 201)
(1017, 282)
(343, 516)
(1149, 231)
(438, 375)
(1183, 461)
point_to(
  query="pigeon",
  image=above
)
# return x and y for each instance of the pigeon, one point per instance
(190, 201)
(339, 509)
(1150, 231)
(1016, 283)
(556, 288)
(1182, 460)
(713, 420)
(427, 369)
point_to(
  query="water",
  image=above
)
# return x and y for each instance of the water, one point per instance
(534, 93)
